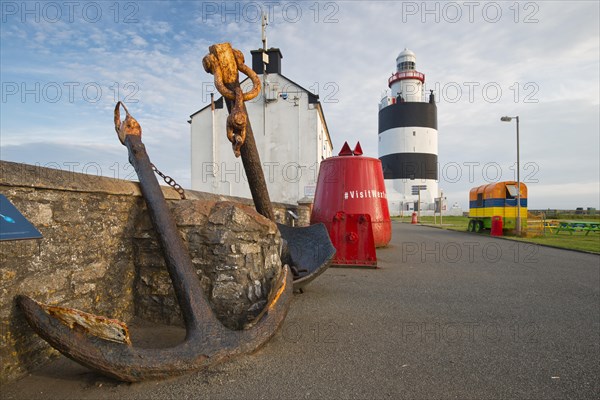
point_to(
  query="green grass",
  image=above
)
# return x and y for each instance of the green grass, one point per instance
(577, 241)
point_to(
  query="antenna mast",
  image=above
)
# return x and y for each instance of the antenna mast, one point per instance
(265, 57)
(264, 30)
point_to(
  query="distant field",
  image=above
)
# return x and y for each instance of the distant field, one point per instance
(577, 241)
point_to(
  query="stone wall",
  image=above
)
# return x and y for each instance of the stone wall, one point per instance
(99, 254)
(236, 254)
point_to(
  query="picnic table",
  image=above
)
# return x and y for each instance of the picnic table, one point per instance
(578, 226)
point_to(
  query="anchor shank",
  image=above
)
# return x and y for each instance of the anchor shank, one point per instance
(194, 307)
(253, 166)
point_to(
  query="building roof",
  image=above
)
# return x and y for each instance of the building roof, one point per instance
(312, 99)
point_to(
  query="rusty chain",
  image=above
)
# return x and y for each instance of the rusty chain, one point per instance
(170, 181)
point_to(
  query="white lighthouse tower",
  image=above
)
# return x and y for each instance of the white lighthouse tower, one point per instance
(408, 140)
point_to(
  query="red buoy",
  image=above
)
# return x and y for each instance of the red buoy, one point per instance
(414, 219)
(353, 184)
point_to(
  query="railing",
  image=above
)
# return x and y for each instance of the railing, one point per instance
(406, 75)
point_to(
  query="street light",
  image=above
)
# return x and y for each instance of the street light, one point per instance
(518, 227)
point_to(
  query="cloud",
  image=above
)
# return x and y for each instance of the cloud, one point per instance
(97, 159)
(138, 41)
(545, 65)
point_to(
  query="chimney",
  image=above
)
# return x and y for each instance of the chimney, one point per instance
(274, 65)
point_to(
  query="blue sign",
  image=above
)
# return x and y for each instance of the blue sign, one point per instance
(13, 225)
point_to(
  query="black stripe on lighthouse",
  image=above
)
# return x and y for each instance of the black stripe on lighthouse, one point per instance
(405, 114)
(410, 166)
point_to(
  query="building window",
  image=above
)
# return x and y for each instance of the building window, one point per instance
(406, 65)
(414, 133)
(511, 191)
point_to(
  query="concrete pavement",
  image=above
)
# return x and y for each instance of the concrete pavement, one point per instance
(448, 315)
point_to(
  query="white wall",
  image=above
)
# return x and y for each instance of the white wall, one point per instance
(290, 145)
(402, 140)
(410, 89)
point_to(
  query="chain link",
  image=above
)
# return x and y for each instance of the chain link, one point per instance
(170, 181)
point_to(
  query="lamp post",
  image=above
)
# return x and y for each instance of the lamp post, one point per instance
(518, 224)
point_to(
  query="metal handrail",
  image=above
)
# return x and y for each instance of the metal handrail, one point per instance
(406, 74)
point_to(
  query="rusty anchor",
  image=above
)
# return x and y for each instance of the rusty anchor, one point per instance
(308, 250)
(103, 345)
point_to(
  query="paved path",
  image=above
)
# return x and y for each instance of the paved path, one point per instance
(448, 315)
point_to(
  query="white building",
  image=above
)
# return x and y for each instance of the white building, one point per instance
(290, 132)
(408, 140)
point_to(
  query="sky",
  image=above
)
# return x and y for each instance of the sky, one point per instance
(63, 66)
